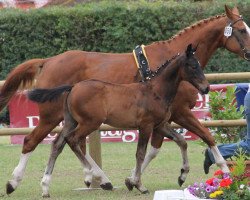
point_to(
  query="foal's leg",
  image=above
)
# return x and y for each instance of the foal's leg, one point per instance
(182, 115)
(88, 172)
(181, 142)
(135, 179)
(190, 122)
(56, 148)
(73, 141)
(46, 123)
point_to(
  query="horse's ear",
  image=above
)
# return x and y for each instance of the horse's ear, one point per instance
(235, 10)
(189, 50)
(229, 13)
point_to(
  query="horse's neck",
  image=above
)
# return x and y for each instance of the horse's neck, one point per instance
(166, 83)
(207, 33)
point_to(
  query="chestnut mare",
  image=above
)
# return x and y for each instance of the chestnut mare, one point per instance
(145, 106)
(74, 66)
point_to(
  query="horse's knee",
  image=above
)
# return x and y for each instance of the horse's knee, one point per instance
(29, 144)
(210, 141)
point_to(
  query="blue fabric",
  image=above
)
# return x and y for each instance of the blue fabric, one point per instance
(240, 92)
(229, 150)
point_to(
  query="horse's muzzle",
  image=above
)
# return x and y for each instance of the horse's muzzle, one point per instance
(247, 55)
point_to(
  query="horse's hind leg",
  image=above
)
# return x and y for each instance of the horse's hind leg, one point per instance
(46, 124)
(73, 141)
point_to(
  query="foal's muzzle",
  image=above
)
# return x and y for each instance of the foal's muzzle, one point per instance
(247, 55)
(204, 90)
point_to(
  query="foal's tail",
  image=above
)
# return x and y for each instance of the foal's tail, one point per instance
(44, 95)
(21, 76)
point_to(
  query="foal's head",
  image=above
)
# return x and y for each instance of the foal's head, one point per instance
(192, 72)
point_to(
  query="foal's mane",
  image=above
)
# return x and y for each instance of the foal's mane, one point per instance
(191, 27)
(174, 59)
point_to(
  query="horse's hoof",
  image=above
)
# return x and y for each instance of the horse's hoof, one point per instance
(180, 181)
(107, 186)
(128, 184)
(87, 183)
(9, 188)
(46, 195)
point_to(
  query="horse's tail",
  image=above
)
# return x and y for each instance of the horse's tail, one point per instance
(20, 77)
(44, 95)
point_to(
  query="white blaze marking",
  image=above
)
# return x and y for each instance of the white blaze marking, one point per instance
(247, 28)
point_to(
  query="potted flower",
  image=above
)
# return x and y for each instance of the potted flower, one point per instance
(224, 185)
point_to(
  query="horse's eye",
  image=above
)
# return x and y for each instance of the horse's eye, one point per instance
(243, 31)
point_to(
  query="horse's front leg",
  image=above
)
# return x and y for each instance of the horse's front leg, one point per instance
(135, 179)
(186, 119)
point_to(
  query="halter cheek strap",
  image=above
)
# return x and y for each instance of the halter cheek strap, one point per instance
(228, 32)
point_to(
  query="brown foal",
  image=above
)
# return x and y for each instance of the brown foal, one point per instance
(145, 106)
(74, 66)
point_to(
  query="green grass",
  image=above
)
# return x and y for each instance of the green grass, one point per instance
(117, 158)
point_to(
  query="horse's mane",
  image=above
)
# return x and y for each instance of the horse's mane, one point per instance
(191, 27)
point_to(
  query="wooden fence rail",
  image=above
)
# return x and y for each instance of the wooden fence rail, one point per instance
(104, 127)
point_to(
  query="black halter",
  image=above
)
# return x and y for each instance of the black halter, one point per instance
(143, 64)
(238, 38)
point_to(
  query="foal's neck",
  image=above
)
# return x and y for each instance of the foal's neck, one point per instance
(166, 83)
(208, 33)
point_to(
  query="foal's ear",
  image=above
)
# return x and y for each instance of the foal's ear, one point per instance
(190, 51)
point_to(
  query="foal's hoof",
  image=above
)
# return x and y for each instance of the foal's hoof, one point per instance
(46, 195)
(129, 185)
(180, 181)
(9, 188)
(87, 183)
(107, 186)
(145, 192)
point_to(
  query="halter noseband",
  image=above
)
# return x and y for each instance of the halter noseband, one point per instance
(241, 43)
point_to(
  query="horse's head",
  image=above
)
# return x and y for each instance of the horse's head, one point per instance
(192, 71)
(237, 34)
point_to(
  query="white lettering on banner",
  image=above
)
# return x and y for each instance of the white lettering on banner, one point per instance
(202, 103)
(125, 136)
(32, 120)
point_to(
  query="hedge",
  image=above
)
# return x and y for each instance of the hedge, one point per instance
(108, 26)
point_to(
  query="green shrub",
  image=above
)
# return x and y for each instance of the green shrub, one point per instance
(223, 106)
(108, 26)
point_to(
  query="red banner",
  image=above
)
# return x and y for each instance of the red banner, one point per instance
(24, 113)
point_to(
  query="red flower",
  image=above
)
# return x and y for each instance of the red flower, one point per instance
(210, 181)
(218, 172)
(226, 182)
